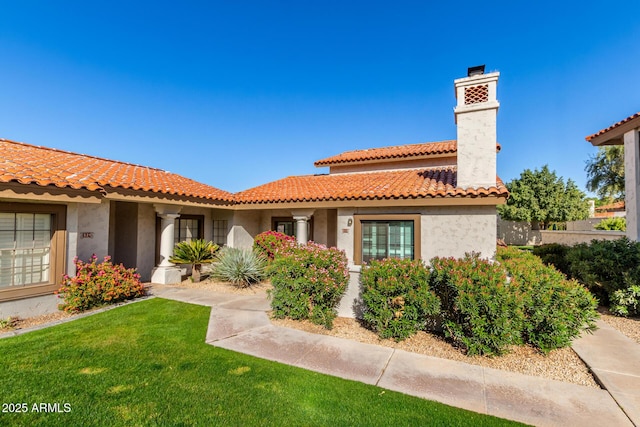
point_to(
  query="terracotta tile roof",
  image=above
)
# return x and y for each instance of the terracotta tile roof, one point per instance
(401, 184)
(613, 126)
(397, 152)
(611, 207)
(30, 164)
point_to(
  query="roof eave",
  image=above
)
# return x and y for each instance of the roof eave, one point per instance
(486, 200)
(615, 134)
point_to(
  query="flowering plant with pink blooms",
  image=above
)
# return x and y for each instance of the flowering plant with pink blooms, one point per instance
(272, 243)
(97, 284)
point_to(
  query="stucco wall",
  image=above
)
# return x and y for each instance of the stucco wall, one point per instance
(146, 251)
(245, 225)
(404, 164)
(92, 218)
(72, 237)
(445, 231)
(583, 225)
(344, 238)
(518, 233)
(575, 237)
(477, 148)
(632, 181)
(454, 231)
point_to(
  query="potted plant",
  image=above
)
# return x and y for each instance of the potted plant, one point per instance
(194, 252)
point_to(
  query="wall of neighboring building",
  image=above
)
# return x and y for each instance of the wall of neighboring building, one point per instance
(583, 225)
(574, 237)
(518, 233)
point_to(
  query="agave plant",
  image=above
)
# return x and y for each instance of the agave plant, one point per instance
(242, 267)
(196, 253)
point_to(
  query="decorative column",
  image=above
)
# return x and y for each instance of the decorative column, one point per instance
(632, 180)
(166, 272)
(302, 224)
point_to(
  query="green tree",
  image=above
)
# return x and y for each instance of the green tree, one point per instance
(541, 197)
(605, 172)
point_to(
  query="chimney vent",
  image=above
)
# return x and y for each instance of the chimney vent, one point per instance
(475, 71)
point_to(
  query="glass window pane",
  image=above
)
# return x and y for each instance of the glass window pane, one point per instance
(42, 222)
(5, 277)
(383, 239)
(24, 239)
(24, 221)
(7, 239)
(41, 239)
(7, 221)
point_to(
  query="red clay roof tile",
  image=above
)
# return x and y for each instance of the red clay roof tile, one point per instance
(396, 152)
(613, 126)
(30, 164)
(401, 184)
(613, 206)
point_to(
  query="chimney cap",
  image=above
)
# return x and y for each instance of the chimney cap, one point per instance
(475, 71)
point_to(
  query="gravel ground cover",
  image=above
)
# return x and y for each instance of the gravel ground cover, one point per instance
(563, 364)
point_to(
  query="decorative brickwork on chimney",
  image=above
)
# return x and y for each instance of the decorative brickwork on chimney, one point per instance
(476, 122)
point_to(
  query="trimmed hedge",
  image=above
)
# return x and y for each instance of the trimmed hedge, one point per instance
(308, 282)
(555, 310)
(398, 301)
(484, 307)
(479, 308)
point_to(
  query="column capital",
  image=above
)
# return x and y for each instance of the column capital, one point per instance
(302, 213)
(170, 216)
(162, 209)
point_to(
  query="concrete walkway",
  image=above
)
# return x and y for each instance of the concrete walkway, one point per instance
(240, 323)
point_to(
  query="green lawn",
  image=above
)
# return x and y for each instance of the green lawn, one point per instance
(147, 364)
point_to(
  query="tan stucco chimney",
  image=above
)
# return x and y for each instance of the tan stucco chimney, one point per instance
(475, 117)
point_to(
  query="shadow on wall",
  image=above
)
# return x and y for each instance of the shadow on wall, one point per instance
(518, 233)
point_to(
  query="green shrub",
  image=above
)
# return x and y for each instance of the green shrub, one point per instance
(554, 310)
(242, 267)
(605, 266)
(308, 282)
(195, 252)
(612, 224)
(396, 296)
(271, 243)
(626, 302)
(97, 284)
(479, 308)
(554, 254)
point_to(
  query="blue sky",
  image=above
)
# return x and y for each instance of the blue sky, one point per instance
(239, 93)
